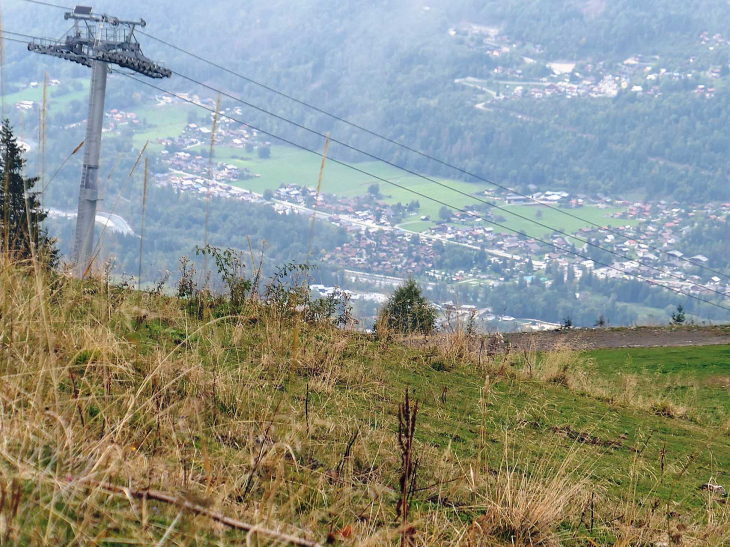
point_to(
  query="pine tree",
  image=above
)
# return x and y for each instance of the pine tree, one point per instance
(408, 311)
(21, 213)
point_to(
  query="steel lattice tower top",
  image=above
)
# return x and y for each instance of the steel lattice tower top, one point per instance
(97, 41)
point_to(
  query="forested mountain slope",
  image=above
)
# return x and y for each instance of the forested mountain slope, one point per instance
(391, 67)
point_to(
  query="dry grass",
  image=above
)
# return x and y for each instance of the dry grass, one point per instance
(268, 419)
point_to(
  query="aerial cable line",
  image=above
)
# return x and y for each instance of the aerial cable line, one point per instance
(425, 196)
(447, 187)
(441, 184)
(505, 210)
(26, 36)
(48, 4)
(420, 153)
(13, 40)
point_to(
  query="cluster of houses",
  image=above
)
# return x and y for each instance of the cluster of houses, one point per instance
(193, 173)
(387, 252)
(638, 74)
(228, 134)
(117, 118)
(377, 245)
(30, 105)
(323, 291)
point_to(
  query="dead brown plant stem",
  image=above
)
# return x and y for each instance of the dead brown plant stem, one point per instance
(2, 69)
(348, 449)
(306, 409)
(187, 505)
(73, 153)
(257, 461)
(6, 211)
(316, 200)
(42, 113)
(406, 430)
(97, 249)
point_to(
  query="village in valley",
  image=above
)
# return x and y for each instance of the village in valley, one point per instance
(382, 248)
(520, 74)
(390, 241)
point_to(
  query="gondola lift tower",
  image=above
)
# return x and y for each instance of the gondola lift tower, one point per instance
(96, 41)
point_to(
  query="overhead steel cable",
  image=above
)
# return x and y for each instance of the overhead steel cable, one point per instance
(425, 155)
(466, 194)
(26, 35)
(425, 196)
(13, 40)
(441, 184)
(48, 4)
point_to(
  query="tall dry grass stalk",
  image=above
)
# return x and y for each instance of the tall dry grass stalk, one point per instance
(221, 418)
(316, 200)
(42, 115)
(98, 248)
(211, 151)
(144, 213)
(2, 67)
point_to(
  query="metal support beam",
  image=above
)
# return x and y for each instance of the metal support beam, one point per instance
(89, 194)
(96, 41)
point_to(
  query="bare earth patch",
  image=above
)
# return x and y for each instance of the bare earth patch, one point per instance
(640, 337)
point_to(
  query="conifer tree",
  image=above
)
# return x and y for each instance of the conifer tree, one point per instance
(21, 214)
(408, 310)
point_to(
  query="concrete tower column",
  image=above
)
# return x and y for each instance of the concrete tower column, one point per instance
(89, 194)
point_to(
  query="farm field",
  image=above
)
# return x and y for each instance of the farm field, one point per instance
(164, 122)
(56, 99)
(289, 165)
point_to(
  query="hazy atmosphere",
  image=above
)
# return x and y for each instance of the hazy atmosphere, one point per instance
(610, 112)
(243, 230)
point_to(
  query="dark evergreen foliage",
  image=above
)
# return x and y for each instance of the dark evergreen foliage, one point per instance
(408, 311)
(22, 214)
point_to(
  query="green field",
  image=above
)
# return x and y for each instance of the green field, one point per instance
(556, 219)
(163, 121)
(55, 99)
(289, 165)
(697, 378)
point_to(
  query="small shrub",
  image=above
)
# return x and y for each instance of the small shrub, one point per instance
(408, 311)
(679, 317)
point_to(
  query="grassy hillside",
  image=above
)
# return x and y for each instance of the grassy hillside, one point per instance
(263, 413)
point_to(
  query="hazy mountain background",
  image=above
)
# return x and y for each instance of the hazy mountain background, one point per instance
(392, 67)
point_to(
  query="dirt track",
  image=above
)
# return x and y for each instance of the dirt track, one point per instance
(640, 337)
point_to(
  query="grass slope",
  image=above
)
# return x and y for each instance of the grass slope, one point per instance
(292, 425)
